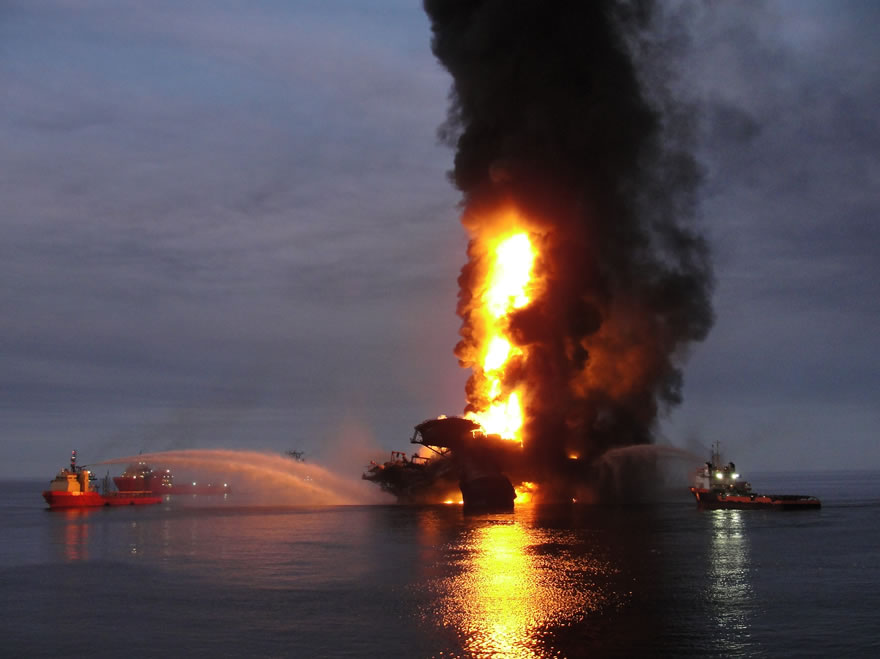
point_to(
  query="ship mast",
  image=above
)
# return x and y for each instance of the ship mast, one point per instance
(716, 455)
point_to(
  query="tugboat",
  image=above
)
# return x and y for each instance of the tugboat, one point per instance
(717, 486)
(72, 488)
(141, 477)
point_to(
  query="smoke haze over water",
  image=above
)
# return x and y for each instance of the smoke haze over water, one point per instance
(550, 114)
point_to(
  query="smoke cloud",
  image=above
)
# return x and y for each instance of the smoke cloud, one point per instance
(552, 113)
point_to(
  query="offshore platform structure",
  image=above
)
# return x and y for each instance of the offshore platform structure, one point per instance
(462, 453)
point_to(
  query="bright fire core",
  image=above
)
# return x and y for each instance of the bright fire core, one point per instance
(509, 280)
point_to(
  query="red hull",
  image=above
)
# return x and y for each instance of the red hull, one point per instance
(154, 485)
(720, 500)
(58, 500)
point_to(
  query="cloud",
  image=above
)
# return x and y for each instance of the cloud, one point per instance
(791, 144)
(214, 206)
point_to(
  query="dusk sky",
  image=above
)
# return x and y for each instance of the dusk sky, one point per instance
(228, 225)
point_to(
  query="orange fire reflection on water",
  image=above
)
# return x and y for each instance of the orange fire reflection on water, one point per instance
(509, 590)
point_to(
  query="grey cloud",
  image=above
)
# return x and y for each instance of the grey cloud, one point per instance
(791, 144)
(208, 209)
(232, 226)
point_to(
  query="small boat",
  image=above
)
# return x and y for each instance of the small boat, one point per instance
(73, 488)
(717, 486)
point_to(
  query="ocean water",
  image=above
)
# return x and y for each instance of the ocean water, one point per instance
(209, 577)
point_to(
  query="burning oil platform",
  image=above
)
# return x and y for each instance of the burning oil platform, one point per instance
(586, 280)
(462, 455)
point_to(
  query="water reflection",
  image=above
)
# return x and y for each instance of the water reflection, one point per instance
(514, 583)
(730, 586)
(74, 536)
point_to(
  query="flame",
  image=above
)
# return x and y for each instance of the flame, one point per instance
(510, 276)
(497, 353)
(508, 285)
(525, 492)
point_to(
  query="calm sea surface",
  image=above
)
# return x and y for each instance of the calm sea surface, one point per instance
(218, 578)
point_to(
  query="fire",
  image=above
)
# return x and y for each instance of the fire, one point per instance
(514, 258)
(497, 353)
(508, 285)
(588, 276)
(525, 492)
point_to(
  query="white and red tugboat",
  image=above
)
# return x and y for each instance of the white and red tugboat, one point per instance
(718, 485)
(73, 488)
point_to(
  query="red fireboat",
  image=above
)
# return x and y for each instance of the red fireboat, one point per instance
(73, 488)
(141, 477)
(717, 485)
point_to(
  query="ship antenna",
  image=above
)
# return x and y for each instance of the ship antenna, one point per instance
(716, 454)
(73, 461)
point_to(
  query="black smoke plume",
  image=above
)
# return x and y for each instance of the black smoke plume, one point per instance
(555, 108)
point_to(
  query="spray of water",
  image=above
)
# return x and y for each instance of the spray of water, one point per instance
(267, 477)
(649, 452)
(634, 474)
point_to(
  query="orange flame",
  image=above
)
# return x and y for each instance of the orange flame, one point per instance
(525, 492)
(508, 285)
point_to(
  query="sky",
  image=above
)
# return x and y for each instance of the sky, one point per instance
(229, 225)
